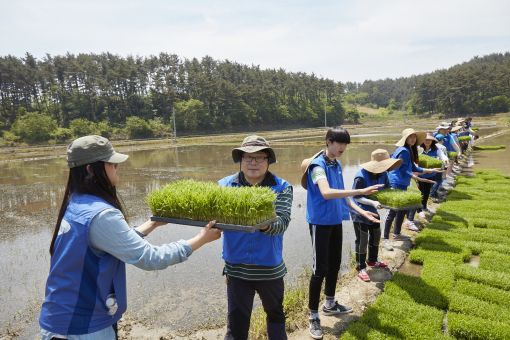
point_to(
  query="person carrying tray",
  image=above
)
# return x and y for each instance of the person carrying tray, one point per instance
(86, 286)
(254, 261)
(400, 178)
(326, 207)
(368, 233)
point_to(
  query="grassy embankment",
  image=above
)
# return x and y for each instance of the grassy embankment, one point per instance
(454, 297)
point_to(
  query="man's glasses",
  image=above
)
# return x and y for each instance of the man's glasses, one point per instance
(257, 159)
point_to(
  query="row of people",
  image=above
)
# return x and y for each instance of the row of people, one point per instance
(86, 286)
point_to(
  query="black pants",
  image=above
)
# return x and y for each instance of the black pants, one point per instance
(327, 256)
(240, 294)
(425, 193)
(367, 235)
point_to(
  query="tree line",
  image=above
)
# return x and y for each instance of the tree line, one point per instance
(479, 86)
(61, 97)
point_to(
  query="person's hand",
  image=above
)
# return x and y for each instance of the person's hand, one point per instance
(371, 189)
(438, 170)
(209, 233)
(377, 205)
(372, 217)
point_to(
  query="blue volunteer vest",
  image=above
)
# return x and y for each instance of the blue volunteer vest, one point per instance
(79, 281)
(252, 248)
(381, 179)
(320, 211)
(400, 178)
(431, 153)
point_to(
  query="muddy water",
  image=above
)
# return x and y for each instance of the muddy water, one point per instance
(497, 159)
(183, 297)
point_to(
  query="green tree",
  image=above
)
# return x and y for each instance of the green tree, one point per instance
(189, 114)
(82, 127)
(34, 127)
(138, 128)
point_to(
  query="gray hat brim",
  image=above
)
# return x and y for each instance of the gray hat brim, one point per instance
(116, 158)
(237, 153)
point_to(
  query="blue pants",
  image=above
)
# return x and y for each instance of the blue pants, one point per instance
(240, 294)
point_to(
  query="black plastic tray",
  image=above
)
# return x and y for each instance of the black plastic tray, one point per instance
(222, 226)
(410, 207)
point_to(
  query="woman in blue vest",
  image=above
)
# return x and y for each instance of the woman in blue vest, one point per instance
(368, 233)
(400, 178)
(327, 206)
(86, 286)
(430, 149)
(254, 261)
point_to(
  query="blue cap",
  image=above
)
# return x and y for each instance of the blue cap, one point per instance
(439, 136)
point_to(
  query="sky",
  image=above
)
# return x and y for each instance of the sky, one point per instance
(340, 40)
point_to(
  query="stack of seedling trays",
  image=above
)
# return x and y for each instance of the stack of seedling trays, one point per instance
(452, 154)
(398, 199)
(429, 162)
(195, 203)
(464, 138)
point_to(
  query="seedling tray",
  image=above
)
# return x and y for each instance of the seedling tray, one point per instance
(409, 207)
(222, 226)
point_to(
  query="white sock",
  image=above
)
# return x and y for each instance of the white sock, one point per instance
(330, 301)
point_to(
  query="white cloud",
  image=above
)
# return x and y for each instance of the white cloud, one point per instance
(341, 40)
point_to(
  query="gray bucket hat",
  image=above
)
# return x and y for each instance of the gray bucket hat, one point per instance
(253, 144)
(90, 149)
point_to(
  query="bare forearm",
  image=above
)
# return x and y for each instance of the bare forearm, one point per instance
(330, 193)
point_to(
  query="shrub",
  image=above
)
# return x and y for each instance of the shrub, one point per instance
(137, 127)
(205, 201)
(34, 127)
(62, 135)
(471, 327)
(398, 198)
(82, 127)
(429, 162)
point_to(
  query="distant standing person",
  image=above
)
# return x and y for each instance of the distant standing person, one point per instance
(326, 208)
(254, 261)
(368, 233)
(86, 286)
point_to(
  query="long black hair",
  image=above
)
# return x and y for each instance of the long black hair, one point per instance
(82, 181)
(413, 149)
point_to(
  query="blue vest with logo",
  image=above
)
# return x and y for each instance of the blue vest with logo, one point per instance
(369, 181)
(400, 178)
(79, 281)
(320, 211)
(431, 153)
(252, 248)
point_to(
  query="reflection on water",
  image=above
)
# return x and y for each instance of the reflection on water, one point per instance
(497, 159)
(31, 193)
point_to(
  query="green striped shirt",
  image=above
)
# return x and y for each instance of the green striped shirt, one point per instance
(283, 205)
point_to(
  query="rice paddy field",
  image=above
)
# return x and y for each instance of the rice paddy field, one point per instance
(463, 291)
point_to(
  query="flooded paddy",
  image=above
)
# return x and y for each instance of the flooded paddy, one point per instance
(181, 298)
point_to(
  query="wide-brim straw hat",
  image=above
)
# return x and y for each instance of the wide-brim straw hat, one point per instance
(381, 162)
(456, 128)
(431, 137)
(305, 164)
(420, 137)
(252, 144)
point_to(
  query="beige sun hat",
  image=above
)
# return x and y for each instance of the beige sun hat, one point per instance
(305, 164)
(456, 128)
(431, 137)
(420, 136)
(253, 144)
(381, 162)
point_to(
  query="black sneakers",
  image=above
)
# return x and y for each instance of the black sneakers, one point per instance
(336, 309)
(315, 328)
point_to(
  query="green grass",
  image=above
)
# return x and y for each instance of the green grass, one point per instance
(205, 201)
(398, 198)
(464, 326)
(429, 162)
(489, 147)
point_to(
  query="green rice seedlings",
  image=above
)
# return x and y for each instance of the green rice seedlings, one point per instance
(492, 278)
(464, 326)
(359, 330)
(429, 162)
(491, 260)
(206, 201)
(398, 199)
(472, 306)
(464, 138)
(452, 154)
(483, 292)
(489, 147)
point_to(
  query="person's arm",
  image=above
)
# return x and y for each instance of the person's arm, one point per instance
(359, 183)
(283, 206)
(372, 217)
(330, 193)
(110, 233)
